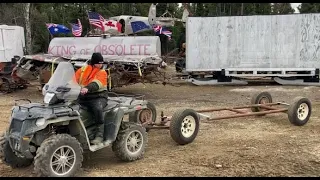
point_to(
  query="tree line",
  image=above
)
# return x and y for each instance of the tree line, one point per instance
(34, 16)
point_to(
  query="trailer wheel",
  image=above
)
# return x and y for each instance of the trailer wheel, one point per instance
(260, 98)
(184, 126)
(299, 111)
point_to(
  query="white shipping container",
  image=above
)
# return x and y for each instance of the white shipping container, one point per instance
(12, 42)
(264, 42)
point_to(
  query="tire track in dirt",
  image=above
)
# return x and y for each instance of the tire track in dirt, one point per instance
(249, 146)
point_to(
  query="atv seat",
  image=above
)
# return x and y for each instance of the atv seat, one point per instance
(111, 105)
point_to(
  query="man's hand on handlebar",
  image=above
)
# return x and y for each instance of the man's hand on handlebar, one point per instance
(83, 91)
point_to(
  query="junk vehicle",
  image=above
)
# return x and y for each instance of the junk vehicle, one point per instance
(56, 133)
(235, 49)
(130, 59)
(12, 46)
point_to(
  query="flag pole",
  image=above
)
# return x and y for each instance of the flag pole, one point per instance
(48, 30)
(51, 36)
(70, 27)
(90, 26)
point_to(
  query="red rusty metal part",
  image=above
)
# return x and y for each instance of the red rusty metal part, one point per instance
(165, 121)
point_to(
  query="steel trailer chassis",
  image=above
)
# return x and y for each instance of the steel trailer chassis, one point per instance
(243, 76)
(298, 113)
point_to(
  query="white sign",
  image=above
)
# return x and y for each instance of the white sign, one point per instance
(110, 46)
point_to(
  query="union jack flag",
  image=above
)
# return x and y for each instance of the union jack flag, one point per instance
(96, 19)
(162, 30)
(76, 29)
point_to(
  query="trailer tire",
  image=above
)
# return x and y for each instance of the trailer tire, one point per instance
(260, 98)
(136, 117)
(299, 111)
(184, 126)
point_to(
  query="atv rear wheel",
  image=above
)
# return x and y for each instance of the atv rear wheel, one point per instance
(58, 156)
(144, 116)
(131, 142)
(9, 157)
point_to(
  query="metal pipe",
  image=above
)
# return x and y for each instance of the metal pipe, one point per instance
(237, 111)
(158, 127)
(238, 107)
(250, 114)
(268, 107)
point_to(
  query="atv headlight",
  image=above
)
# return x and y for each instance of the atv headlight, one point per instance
(40, 122)
(49, 98)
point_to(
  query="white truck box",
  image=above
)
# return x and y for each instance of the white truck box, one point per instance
(12, 42)
(241, 46)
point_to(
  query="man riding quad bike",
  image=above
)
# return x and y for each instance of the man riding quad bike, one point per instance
(94, 95)
(54, 134)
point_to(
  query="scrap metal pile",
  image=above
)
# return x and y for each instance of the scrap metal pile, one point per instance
(128, 59)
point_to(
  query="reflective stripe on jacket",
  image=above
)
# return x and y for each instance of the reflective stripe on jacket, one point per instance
(88, 74)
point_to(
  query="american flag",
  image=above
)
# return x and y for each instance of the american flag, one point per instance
(96, 19)
(167, 33)
(157, 28)
(162, 30)
(77, 29)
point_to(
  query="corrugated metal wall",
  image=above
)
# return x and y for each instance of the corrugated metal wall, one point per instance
(274, 41)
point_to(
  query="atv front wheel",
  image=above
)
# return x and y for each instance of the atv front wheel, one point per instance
(9, 157)
(58, 156)
(131, 142)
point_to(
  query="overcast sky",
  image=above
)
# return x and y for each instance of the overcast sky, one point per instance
(294, 6)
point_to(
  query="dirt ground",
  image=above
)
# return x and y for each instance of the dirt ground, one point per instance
(247, 146)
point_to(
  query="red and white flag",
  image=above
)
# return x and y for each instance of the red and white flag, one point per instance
(111, 25)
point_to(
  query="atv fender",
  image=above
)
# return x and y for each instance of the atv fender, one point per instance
(112, 123)
(75, 126)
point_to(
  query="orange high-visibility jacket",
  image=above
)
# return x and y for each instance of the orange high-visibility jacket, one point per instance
(88, 74)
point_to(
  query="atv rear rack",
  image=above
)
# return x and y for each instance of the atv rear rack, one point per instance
(135, 96)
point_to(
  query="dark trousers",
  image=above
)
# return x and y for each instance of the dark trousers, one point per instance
(96, 106)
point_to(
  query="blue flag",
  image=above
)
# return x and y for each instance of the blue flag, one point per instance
(57, 28)
(138, 26)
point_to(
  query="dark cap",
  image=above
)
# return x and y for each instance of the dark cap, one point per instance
(96, 58)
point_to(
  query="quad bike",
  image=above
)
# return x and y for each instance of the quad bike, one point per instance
(54, 135)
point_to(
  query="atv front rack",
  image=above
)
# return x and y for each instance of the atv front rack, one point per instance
(42, 106)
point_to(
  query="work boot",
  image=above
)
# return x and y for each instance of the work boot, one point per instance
(99, 135)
